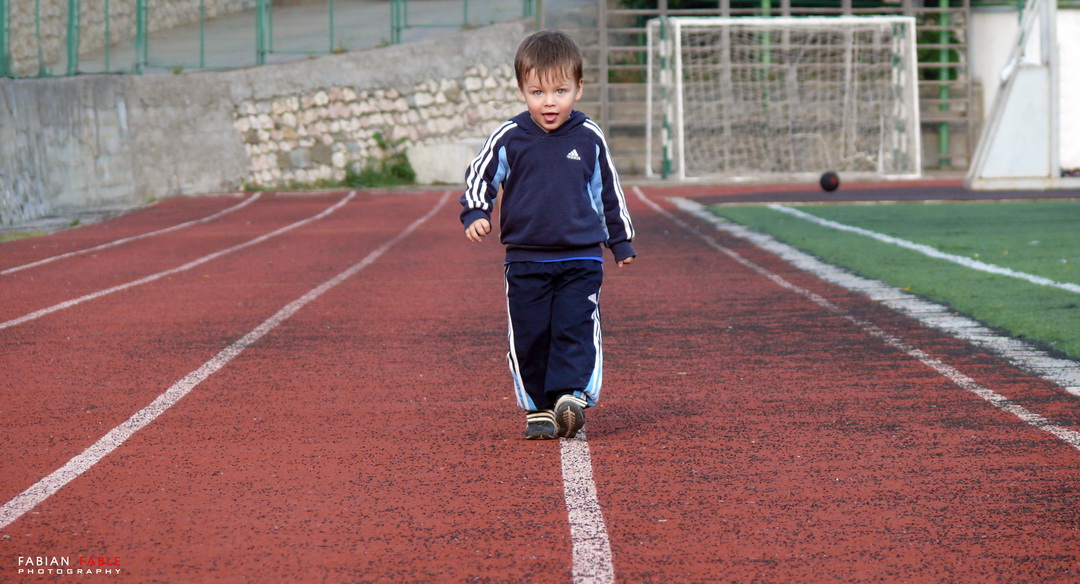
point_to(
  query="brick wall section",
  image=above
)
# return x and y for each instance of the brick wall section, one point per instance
(315, 135)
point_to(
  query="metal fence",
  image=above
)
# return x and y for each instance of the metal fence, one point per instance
(42, 38)
(401, 23)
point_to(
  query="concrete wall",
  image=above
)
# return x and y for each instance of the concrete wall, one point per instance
(117, 140)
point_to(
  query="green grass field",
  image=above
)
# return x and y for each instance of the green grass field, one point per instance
(1037, 238)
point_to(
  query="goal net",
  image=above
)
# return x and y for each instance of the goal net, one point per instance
(782, 97)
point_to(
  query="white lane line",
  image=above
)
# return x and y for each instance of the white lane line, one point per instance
(49, 485)
(1070, 437)
(178, 269)
(588, 536)
(124, 240)
(930, 251)
(1064, 372)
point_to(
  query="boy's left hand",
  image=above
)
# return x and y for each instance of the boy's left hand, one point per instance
(478, 230)
(626, 262)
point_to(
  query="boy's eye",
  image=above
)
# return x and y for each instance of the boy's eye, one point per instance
(538, 92)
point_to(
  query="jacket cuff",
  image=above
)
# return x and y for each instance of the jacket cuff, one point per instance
(623, 250)
(470, 217)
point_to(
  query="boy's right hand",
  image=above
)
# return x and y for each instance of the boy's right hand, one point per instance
(479, 228)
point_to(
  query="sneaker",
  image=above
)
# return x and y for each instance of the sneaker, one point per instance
(540, 425)
(569, 415)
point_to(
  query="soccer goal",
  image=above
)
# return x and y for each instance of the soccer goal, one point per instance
(782, 98)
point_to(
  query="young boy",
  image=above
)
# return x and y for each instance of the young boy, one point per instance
(561, 201)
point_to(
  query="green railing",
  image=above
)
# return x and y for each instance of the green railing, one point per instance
(67, 37)
(399, 17)
(120, 36)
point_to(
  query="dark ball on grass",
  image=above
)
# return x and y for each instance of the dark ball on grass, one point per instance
(830, 181)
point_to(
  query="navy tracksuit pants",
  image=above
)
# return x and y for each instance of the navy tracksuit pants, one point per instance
(555, 342)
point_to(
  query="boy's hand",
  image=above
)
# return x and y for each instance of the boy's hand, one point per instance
(626, 262)
(479, 228)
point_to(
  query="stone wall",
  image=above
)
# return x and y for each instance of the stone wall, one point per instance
(91, 141)
(28, 56)
(317, 134)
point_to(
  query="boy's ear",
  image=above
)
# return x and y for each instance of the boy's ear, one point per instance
(580, 89)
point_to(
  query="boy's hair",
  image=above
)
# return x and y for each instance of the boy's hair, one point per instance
(547, 52)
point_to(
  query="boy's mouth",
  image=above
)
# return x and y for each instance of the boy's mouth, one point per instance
(550, 118)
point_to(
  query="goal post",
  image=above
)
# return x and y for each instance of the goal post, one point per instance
(782, 98)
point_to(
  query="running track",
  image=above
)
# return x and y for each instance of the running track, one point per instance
(313, 388)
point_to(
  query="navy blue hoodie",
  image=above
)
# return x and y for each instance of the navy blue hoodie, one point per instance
(561, 193)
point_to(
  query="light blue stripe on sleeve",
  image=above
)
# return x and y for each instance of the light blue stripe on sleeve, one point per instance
(596, 188)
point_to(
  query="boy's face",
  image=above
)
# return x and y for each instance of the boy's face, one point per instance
(550, 98)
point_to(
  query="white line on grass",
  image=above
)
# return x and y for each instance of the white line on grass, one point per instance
(929, 251)
(124, 240)
(1025, 356)
(1033, 419)
(178, 269)
(46, 487)
(588, 535)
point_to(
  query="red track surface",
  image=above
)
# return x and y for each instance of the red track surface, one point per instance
(745, 434)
